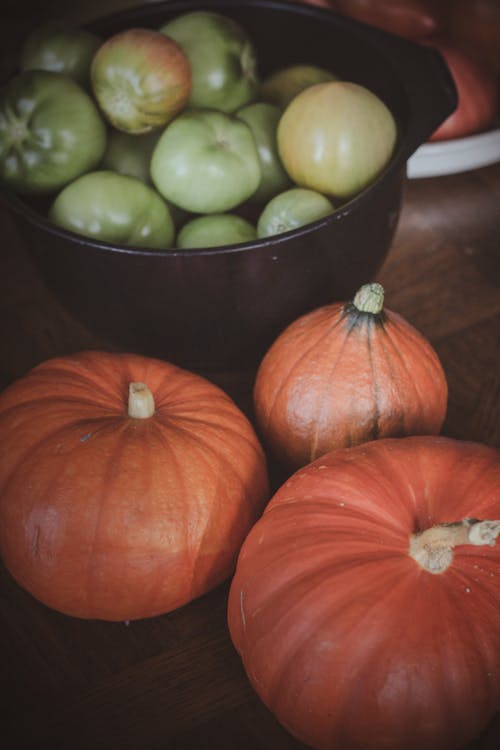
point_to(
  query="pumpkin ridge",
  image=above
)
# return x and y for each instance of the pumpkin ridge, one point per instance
(201, 545)
(318, 573)
(176, 465)
(205, 405)
(393, 553)
(481, 643)
(192, 440)
(419, 397)
(348, 508)
(95, 378)
(216, 511)
(426, 513)
(375, 430)
(410, 333)
(208, 416)
(62, 401)
(51, 436)
(472, 633)
(248, 499)
(148, 594)
(395, 546)
(217, 453)
(395, 356)
(292, 658)
(313, 342)
(401, 412)
(427, 352)
(425, 496)
(367, 670)
(486, 465)
(328, 378)
(208, 422)
(98, 503)
(452, 481)
(31, 454)
(367, 472)
(466, 578)
(341, 565)
(172, 397)
(387, 467)
(362, 320)
(204, 396)
(350, 698)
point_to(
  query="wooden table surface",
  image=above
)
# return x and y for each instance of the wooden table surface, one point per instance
(174, 682)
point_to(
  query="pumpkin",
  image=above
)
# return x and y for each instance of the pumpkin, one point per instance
(127, 485)
(344, 374)
(366, 600)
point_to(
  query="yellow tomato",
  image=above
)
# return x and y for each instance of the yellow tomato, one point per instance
(336, 137)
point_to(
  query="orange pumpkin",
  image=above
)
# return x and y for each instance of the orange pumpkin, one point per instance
(345, 374)
(127, 487)
(366, 600)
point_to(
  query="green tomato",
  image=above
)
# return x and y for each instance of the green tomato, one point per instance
(215, 230)
(206, 162)
(292, 209)
(262, 119)
(114, 208)
(283, 85)
(223, 59)
(130, 154)
(141, 80)
(50, 132)
(60, 49)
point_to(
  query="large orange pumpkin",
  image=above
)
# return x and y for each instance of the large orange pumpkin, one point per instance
(366, 600)
(344, 374)
(127, 485)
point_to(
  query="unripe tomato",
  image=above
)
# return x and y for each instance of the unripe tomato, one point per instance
(335, 138)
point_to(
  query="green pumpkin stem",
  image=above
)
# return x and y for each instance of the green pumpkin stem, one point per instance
(141, 404)
(433, 547)
(369, 299)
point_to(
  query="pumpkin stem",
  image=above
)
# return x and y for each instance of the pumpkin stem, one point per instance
(370, 298)
(433, 548)
(141, 403)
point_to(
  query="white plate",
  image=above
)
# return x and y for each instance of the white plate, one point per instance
(459, 155)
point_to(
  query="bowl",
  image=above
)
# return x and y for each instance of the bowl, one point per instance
(455, 155)
(222, 307)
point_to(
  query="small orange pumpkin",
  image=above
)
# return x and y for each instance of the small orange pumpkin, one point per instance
(344, 374)
(127, 487)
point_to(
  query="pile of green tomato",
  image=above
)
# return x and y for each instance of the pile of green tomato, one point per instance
(167, 138)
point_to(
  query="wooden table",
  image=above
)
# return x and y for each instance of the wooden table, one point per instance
(174, 682)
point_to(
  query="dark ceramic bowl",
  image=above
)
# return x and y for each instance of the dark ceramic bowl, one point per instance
(222, 307)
